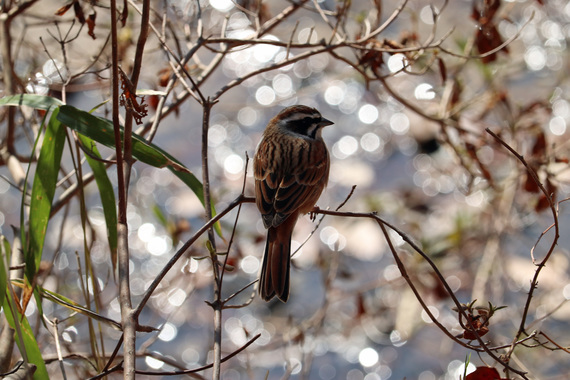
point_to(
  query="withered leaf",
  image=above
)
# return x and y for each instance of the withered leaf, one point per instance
(125, 13)
(484, 373)
(61, 11)
(539, 147)
(128, 99)
(79, 12)
(442, 69)
(91, 24)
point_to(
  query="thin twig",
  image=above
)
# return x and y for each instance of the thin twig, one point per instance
(554, 211)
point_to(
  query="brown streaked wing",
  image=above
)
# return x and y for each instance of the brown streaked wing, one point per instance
(280, 195)
(301, 190)
(266, 182)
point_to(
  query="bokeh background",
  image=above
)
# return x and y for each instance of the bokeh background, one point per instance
(447, 184)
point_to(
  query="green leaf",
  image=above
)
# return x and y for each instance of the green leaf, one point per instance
(43, 190)
(26, 341)
(105, 192)
(159, 214)
(101, 130)
(72, 305)
(35, 101)
(4, 265)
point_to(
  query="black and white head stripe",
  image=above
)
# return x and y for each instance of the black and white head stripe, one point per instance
(303, 120)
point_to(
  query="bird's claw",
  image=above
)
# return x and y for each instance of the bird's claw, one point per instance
(313, 213)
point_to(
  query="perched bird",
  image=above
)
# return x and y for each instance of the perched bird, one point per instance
(291, 169)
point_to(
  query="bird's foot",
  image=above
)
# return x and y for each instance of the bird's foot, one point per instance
(313, 213)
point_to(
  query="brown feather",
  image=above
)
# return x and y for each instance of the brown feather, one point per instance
(291, 170)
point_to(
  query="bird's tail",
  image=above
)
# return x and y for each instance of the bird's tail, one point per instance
(274, 278)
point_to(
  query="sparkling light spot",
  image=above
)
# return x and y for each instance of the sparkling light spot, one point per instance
(158, 245)
(434, 311)
(54, 70)
(354, 374)
(283, 85)
(146, 232)
(264, 52)
(426, 14)
(396, 338)
(399, 123)
(424, 91)
(335, 93)
(69, 334)
(190, 356)
(426, 375)
(327, 372)
(237, 336)
(192, 265)
(250, 264)
(535, 58)
(222, 5)
(370, 142)
(168, 332)
(307, 35)
(454, 282)
(391, 272)
(216, 135)
(559, 108)
(368, 114)
(456, 368)
(397, 62)
(176, 297)
(296, 366)
(348, 145)
(566, 292)
(318, 62)
(233, 164)
(476, 199)
(265, 95)
(153, 363)
(368, 357)
(557, 126)
(247, 116)
(329, 235)
(38, 85)
(238, 20)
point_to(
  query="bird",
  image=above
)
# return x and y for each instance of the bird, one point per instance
(291, 169)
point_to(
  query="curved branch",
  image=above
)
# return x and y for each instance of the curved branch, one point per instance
(383, 224)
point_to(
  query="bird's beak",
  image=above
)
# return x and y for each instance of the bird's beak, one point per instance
(324, 122)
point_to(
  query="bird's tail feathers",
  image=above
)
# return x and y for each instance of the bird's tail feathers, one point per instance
(274, 278)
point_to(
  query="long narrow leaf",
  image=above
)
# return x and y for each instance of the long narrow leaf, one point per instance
(43, 190)
(27, 342)
(106, 193)
(4, 265)
(72, 305)
(101, 130)
(41, 102)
